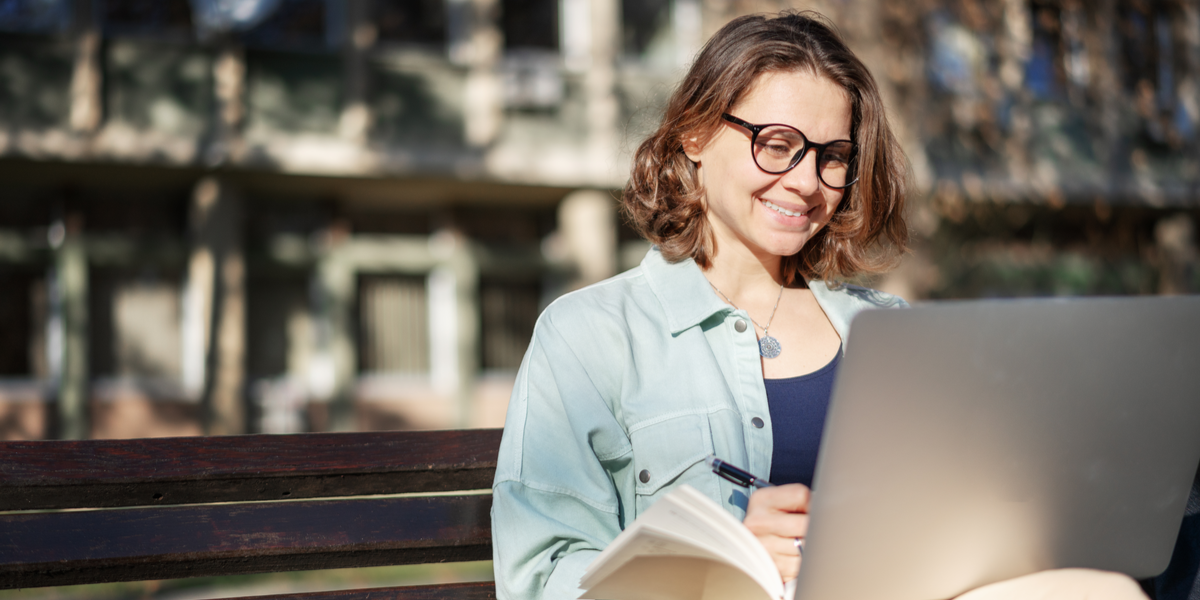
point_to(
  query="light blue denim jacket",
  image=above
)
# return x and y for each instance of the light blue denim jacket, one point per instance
(626, 387)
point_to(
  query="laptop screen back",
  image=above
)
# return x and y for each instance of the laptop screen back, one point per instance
(972, 442)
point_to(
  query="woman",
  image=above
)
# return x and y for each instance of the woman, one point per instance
(630, 383)
(773, 174)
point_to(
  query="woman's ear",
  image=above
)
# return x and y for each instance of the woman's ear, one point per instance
(691, 148)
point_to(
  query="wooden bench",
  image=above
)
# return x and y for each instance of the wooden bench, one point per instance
(188, 507)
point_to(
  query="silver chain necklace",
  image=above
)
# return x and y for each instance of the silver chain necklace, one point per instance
(768, 346)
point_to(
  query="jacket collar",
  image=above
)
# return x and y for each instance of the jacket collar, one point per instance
(688, 300)
(681, 288)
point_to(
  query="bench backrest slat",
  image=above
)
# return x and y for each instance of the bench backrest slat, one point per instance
(484, 590)
(64, 548)
(187, 507)
(111, 473)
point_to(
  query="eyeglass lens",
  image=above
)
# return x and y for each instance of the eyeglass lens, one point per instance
(778, 148)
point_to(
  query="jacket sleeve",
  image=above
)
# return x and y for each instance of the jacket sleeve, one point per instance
(554, 501)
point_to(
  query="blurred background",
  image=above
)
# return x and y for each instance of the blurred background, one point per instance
(239, 216)
(221, 216)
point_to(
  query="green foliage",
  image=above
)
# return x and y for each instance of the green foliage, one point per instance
(996, 250)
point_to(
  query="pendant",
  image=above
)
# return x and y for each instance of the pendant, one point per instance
(769, 347)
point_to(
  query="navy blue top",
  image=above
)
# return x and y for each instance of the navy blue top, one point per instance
(1181, 580)
(798, 406)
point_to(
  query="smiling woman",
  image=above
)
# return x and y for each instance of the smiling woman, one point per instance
(664, 191)
(772, 175)
(772, 213)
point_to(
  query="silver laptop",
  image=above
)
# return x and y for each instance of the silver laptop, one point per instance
(971, 442)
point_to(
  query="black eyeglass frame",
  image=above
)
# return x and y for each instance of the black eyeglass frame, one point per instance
(808, 145)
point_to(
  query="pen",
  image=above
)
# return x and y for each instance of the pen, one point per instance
(744, 478)
(735, 474)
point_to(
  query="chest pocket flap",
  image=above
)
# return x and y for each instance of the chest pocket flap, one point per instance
(670, 452)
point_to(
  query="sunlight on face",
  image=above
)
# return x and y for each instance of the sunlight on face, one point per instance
(750, 210)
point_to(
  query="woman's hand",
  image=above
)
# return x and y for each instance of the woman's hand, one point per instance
(777, 516)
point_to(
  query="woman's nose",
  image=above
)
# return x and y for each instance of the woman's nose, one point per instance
(802, 178)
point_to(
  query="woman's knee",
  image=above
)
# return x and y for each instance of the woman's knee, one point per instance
(1061, 584)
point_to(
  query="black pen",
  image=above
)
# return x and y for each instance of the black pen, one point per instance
(744, 478)
(735, 474)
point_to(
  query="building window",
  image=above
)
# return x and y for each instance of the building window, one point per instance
(1044, 73)
(1153, 59)
(297, 24)
(278, 327)
(530, 24)
(509, 311)
(35, 16)
(393, 323)
(411, 21)
(135, 326)
(646, 28)
(159, 18)
(20, 303)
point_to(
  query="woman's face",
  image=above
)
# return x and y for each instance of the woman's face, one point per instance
(750, 209)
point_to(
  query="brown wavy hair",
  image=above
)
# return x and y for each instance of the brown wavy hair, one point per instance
(664, 200)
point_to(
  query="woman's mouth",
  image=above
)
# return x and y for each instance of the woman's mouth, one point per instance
(785, 212)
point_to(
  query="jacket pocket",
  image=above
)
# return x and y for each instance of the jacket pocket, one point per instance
(669, 453)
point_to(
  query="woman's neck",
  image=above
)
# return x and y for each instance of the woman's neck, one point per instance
(745, 275)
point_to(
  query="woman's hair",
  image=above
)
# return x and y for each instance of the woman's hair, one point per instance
(664, 200)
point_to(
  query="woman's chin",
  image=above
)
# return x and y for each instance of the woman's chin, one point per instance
(782, 248)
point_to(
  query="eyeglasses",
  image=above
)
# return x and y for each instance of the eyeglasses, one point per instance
(778, 148)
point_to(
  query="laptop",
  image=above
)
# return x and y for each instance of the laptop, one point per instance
(972, 442)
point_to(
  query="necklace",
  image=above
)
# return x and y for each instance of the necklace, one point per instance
(768, 346)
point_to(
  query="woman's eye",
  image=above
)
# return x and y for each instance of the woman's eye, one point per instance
(836, 156)
(777, 148)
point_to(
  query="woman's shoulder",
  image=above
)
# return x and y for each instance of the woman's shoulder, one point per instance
(601, 304)
(856, 296)
(842, 301)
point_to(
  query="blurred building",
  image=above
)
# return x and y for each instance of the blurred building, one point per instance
(291, 215)
(1055, 142)
(284, 215)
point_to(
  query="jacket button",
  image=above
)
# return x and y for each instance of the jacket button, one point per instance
(739, 325)
(644, 476)
(756, 422)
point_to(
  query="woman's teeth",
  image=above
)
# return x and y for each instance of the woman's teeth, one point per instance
(783, 211)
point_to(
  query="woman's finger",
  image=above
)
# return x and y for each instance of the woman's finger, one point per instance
(792, 497)
(778, 517)
(784, 554)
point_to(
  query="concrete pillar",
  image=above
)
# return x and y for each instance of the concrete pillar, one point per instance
(466, 279)
(714, 15)
(229, 108)
(1186, 29)
(1104, 60)
(477, 42)
(575, 34)
(1175, 238)
(600, 81)
(1015, 48)
(359, 39)
(215, 307)
(67, 339)
(587, 222)
(454, 328)
(86, 76)
(687, 22)
(334, 364)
